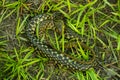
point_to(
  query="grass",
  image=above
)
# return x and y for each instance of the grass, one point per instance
(96, 22)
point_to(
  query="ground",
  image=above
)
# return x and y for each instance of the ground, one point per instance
(95, 20)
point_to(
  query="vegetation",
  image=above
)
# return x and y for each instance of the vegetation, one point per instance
(96, 21)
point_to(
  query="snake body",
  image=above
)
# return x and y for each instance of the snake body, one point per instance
(42, 22)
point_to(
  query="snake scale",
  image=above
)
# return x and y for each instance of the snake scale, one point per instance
(41, 23)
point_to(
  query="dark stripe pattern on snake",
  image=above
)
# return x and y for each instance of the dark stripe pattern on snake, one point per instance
(41, 23)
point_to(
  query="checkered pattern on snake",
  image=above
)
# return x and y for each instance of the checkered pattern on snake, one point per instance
(41, 23)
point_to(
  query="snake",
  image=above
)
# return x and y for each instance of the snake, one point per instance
(37, 27)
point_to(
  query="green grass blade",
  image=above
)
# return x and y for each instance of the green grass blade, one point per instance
(92, 74)
(20, 26)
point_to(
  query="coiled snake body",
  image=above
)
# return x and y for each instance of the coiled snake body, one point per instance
(41, 23)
